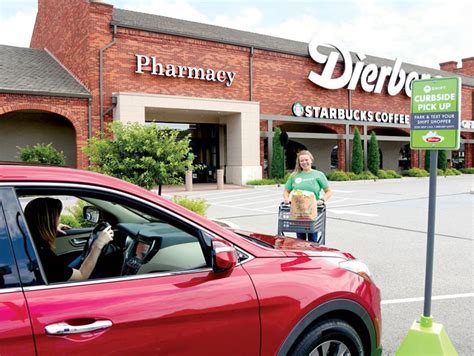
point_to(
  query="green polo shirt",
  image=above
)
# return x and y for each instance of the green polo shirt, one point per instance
(312, 181)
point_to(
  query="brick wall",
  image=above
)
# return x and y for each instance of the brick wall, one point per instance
(466, 68)
(75, 30)
(73, 109)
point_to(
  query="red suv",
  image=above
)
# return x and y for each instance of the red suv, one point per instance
(174, 283)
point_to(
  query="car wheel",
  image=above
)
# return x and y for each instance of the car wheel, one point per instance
(328, 338)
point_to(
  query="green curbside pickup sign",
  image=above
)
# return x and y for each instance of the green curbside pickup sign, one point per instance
(435, 114)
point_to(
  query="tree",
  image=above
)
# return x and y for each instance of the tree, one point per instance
(357, 164)
(141, 154)
(42, 154)
(278, 156)
(442, 160)
(427, 160)
(373, 157)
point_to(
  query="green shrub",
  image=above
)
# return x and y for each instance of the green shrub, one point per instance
(269, 181)
(415, 172)
(145, 155)
(278, 156)
(352, 176)
(42, 154)
(199, 206)
(451, 172)
(467, 170)
(70, 221)
(427, 160)
(381, 174)
(265, 181)
(373, 155)
(389, 174)
(357, 162)
(76, 212)
(392, 174)
(338, 176)
(366, 175)
(442, 160)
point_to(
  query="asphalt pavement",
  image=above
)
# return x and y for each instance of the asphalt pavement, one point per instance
(384, 223)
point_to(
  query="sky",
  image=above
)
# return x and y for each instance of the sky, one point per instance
(422, 32)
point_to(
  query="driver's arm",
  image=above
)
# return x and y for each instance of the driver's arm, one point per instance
(90, 261)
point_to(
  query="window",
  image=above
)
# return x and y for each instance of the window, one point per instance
(8, 271)
(146, 239)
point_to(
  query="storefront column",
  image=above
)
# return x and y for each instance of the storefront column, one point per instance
(414, 158)
(270, 147)
(243, 147)
(365, 153)
(341, 155)
(346, 148)
(468, 154)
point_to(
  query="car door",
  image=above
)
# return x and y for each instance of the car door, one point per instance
(16, 337)
(173, 312)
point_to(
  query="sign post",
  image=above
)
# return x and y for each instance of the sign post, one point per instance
(434, 125)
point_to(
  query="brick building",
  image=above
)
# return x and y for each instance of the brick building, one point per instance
(90, 63)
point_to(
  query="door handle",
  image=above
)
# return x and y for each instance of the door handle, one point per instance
(64, 328)
(78, 242)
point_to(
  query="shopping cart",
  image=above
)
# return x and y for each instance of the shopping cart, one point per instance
(318, 225)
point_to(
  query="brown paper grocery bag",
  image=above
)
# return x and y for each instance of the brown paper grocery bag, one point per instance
(303, 206)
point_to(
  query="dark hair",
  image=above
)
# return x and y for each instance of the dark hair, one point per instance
(42, 216)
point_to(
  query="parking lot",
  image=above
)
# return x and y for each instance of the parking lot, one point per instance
(384, 223)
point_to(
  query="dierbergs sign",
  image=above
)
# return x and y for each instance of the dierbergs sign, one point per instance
(150, 63)
(371, 78)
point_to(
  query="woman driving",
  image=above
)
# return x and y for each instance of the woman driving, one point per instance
(42, 216)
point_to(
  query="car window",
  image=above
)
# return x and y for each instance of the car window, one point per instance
(8, 271)
(146, 240)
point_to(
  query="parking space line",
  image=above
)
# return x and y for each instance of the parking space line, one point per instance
(351, 212)
(234, 207)
(248, 200)
(277, 199)
(420, 299)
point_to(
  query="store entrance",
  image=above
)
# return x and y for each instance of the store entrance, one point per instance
(205, 147)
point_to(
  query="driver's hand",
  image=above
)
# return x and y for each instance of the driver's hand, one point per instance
(62, 227)
(104, 237)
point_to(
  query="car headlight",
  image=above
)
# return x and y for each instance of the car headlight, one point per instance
(357, 267)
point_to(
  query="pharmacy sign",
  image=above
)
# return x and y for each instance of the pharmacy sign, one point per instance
(435, 114)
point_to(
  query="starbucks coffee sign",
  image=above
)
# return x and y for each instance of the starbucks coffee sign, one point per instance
(321, 112)
(370, 77)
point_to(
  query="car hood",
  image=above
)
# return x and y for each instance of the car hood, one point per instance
(293, 247)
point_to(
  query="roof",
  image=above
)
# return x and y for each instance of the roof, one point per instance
(34, 71)
(190, 29)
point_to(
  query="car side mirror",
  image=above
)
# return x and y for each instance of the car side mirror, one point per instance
(91, 214)
(224, 256)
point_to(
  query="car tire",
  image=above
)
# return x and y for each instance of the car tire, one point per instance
(330, 337)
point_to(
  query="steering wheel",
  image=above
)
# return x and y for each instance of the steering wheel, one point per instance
(106, 250)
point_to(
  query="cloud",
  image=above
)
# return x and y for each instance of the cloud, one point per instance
(177, 9)
(16, 30)
(425, 32)
(417, 34)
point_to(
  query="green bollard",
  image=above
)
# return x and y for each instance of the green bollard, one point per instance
(426, 338)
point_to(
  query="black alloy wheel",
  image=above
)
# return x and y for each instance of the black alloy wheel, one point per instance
(332, 337)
